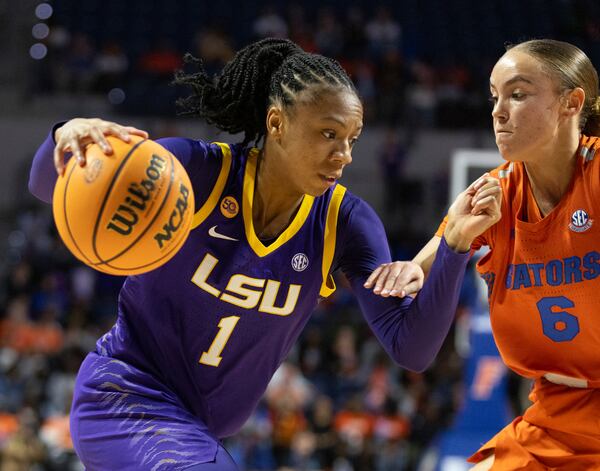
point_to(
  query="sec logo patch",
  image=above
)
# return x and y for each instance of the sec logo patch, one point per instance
(229, 207)
(300, 262)
(580, 221)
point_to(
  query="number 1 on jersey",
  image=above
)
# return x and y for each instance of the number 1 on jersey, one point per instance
(226, 326)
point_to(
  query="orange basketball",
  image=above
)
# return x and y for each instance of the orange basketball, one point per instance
(125, 213)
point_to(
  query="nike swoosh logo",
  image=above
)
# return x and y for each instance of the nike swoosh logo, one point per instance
(213, 233)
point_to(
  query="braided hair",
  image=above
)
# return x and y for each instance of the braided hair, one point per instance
(266, 72)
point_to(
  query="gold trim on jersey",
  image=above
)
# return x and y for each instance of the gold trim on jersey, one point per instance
(328, 285)
(217, 190)
(247, 200)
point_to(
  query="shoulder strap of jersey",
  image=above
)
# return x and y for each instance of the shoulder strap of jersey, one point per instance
(328, 285)
(217, 190)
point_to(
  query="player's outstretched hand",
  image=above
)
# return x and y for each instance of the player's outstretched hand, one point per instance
(74, 135)
(396, 279)
(474, 210)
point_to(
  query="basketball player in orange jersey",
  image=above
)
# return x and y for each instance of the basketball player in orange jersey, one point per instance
(543, 267)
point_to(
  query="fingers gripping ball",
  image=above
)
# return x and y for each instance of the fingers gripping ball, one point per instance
(125, 213)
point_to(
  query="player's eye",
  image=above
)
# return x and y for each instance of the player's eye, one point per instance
(328, 134)
(493, 99)
(353, 141)
(517, 95)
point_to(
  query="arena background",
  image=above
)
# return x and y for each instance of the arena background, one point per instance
(421, 67)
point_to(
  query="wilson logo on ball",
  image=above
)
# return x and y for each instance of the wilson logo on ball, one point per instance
(126, 215)
(175, 219)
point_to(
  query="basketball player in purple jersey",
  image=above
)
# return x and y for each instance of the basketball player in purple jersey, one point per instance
(197, 340)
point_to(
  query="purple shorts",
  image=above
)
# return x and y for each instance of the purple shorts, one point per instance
(124, 419)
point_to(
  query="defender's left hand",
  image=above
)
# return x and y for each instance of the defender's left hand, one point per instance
(473, 212)
(396, 279)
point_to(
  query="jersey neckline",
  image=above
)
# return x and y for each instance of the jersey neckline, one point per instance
(247, 199)
(526, 197)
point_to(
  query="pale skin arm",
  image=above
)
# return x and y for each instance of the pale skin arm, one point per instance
(76, 134)
(473, 212)
(426, 255)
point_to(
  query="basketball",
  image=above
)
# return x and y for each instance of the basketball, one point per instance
(125, 213)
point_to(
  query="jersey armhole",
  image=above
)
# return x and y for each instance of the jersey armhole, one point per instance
(328, 284)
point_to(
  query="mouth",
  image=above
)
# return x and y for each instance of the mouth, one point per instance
(330, 179)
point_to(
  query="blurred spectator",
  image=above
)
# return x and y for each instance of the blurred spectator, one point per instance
(24, 450)
(392, 80)
(321, 423)
(270, 24)
(453, 108)
(392, 455)
(328, 33)
(300, 29)
(399, 193)
(302, 453)
(56, 436)
(288, 421)
(355, 427)
(9, 424)
(214, 48)
(347, 365)
(252, 448)
(51, 293)
(111, 65)
(363, 74)
(383, 32)
(421, 97)
(12, 388)
(355, 37)
(79, 66)
(20, 280)
(389, 425)
(161, 60)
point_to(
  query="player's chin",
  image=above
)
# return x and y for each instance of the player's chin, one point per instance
(316, 192)
(321, 185)
(505, 152)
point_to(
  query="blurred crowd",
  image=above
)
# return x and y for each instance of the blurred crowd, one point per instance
(416, 64)
(338, 402)
(397, 86)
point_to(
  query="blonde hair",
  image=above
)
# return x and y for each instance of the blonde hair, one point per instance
(572, 68)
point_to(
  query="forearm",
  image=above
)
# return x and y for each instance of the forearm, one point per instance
(426, 255)
(42, 176)
(412, 331)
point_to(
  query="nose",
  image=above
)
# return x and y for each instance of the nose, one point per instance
(499, 111)
(343, 154)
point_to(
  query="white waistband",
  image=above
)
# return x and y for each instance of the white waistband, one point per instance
(566, 380)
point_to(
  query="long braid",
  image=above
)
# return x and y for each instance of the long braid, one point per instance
(265, 72)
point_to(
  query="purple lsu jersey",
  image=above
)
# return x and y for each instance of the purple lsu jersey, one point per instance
(197, 340)
(216, 321)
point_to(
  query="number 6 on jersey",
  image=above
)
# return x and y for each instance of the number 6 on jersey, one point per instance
(226, 326)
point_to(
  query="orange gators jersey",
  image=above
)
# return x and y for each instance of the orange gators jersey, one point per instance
(543, 275)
